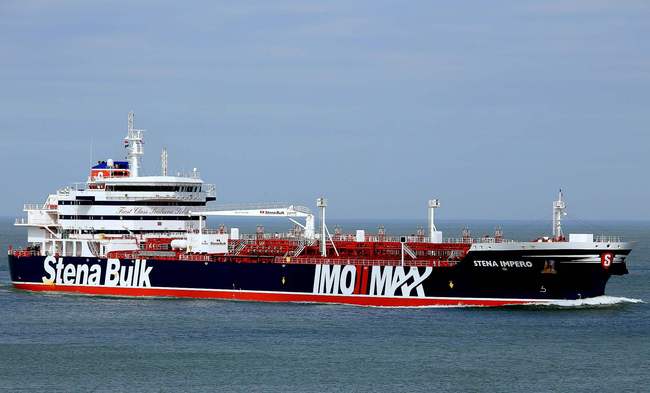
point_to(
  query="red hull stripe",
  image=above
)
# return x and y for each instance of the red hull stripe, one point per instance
(357, 285)
(364, 281)
(272, 296)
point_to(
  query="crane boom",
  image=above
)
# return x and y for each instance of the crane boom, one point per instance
(266, 210)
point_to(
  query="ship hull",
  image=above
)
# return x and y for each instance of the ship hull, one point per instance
(502, 279)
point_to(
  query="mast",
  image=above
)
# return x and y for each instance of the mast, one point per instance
(163, 161)
(433, 205)
(134, 143)
(559, 208)
(321, 203)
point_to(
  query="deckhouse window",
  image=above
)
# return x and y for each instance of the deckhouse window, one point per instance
(159, 188)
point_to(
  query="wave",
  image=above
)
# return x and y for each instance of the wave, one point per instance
(599, 301)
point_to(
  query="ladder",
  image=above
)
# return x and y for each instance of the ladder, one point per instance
(239, 247)
(299, 249)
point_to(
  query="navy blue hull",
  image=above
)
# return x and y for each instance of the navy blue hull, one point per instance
(476, 277)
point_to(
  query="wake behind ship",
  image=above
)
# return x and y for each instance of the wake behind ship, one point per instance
(125, 234)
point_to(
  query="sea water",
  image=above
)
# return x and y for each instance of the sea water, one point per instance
(73, 343)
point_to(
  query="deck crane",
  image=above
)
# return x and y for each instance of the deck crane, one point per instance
(264, 210)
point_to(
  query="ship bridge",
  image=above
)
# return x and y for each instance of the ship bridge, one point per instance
(117, 199)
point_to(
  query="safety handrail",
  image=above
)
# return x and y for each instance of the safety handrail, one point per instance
(607, 239)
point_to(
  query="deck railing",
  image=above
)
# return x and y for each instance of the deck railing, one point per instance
(607, 239)
(363, 262)
(39, 206)
(72, 187)
(209, 189)
(352, 237)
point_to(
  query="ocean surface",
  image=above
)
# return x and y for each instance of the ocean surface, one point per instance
(71, 343)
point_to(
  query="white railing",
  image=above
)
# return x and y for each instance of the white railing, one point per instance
(169, 196)
(267, 236)
(72, 187)
(210, 190)
(607, 239)
(206, 231)
(39, 206)
(423, 239)
(251, 237)
(364, 262)
(188, 174)
(479, 240)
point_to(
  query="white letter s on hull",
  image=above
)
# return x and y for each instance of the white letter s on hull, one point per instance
(49, 269)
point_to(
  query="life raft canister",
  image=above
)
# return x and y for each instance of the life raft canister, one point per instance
(606, 259)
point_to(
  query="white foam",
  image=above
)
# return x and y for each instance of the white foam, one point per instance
(591, 302)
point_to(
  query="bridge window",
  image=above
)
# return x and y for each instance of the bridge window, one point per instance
(159, 188)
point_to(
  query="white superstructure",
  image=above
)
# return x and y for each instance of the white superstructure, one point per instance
(116, 205)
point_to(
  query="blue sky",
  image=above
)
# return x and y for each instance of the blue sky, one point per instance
(378, 105)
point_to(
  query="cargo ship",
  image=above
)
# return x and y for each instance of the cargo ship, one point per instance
(124, 233)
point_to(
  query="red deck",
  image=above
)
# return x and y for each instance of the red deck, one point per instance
(285, 251)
